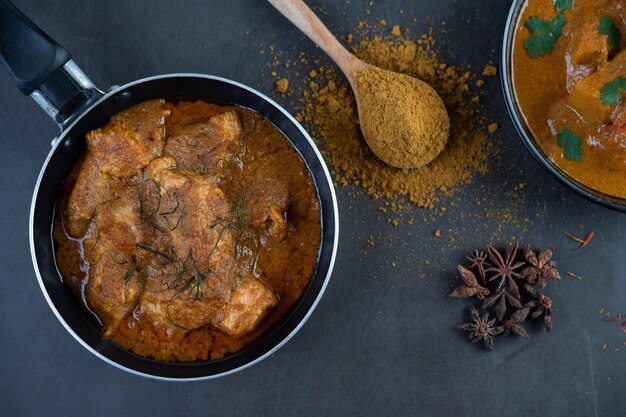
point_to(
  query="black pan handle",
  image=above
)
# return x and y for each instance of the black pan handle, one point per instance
(41, 68)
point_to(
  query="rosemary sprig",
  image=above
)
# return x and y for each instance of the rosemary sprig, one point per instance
(147, 248)
(140, 198)
(183, 288)
(217, 221)
(217, 241)
(210, 151)
(129, 274)
(177, 208)
(159, 197)
(200, 277)
(114, 257)
(190, 122)
(93, 221)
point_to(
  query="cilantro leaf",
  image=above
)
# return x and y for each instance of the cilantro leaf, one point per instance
(607, 27)
(563, 5)
(545, 33)
(610, 94)
(571, 144)
(534, 24)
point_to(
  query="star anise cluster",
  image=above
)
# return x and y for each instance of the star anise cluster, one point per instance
(506, 285)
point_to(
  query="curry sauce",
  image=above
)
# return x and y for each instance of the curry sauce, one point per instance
(560, 92)
(188, 229)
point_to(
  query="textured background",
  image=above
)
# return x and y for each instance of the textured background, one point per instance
(383, 340)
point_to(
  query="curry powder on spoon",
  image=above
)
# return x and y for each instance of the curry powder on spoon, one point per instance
(403, 120)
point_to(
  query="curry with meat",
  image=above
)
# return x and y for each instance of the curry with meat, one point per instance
(569, 69)
(188, 229)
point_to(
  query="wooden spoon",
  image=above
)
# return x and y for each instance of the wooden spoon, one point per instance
(403, 119)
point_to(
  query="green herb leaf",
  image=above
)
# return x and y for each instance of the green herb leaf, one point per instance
(545, 33)
(607, 27)
(563, 5)
(610, 93)
(571, 144)
(129, 274)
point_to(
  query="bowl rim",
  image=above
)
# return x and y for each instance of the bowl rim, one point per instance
(335, 236)
(516, 115)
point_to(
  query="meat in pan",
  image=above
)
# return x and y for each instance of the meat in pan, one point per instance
(188, 229)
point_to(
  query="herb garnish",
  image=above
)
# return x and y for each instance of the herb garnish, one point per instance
(545, 33)
(129, 274)
(563, 5)
(571, 144)
(177, 209)
(610, 94)
(153, 251)
(607, 27)
(140, 198)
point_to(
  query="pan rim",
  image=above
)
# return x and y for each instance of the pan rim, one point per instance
(315, 302)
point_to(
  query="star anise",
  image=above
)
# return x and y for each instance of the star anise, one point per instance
(500, 299)
(515, 323)
(542, 305)
(481, 328)
(540, 267)
(471, 286)
(478, 260)
(505, 268)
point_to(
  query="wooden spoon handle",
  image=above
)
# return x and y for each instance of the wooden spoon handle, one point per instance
(304, 19)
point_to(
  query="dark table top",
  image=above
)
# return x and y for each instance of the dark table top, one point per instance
(383, 340)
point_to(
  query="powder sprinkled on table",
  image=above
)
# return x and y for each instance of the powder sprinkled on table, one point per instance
(282, 85)
(331, 109)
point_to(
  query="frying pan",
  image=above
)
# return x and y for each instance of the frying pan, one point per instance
(44, 70)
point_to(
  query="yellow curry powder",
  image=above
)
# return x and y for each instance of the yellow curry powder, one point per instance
(332, 112)
(402, 119)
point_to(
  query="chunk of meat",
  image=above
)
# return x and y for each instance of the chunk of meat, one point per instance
(588, 49)
(204, 146)
(113, 290)
(211, 287)
(158, 166)
(615, 11)
(268, 200)
(585, 96)
(118, 150)
(114, 287)
(204, 219)
(612, 139)
(197, 220)
(148, 120)
(250, 303)
(618, 117)
(269, 209)
(91, 189)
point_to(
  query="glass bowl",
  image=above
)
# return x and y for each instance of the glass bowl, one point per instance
(519, 120)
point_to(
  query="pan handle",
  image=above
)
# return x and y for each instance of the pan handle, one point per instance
(43, 69)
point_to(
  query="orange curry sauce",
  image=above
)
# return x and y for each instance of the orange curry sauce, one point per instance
(170, 192)
(562, 88)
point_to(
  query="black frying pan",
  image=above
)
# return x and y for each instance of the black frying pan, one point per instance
(44, 70)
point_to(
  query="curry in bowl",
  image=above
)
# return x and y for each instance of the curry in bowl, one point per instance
(188, 229)
(569, 77)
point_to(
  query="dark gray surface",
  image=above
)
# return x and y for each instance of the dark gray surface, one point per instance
(383, 340)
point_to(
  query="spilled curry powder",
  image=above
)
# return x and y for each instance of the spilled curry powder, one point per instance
(332, 111)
